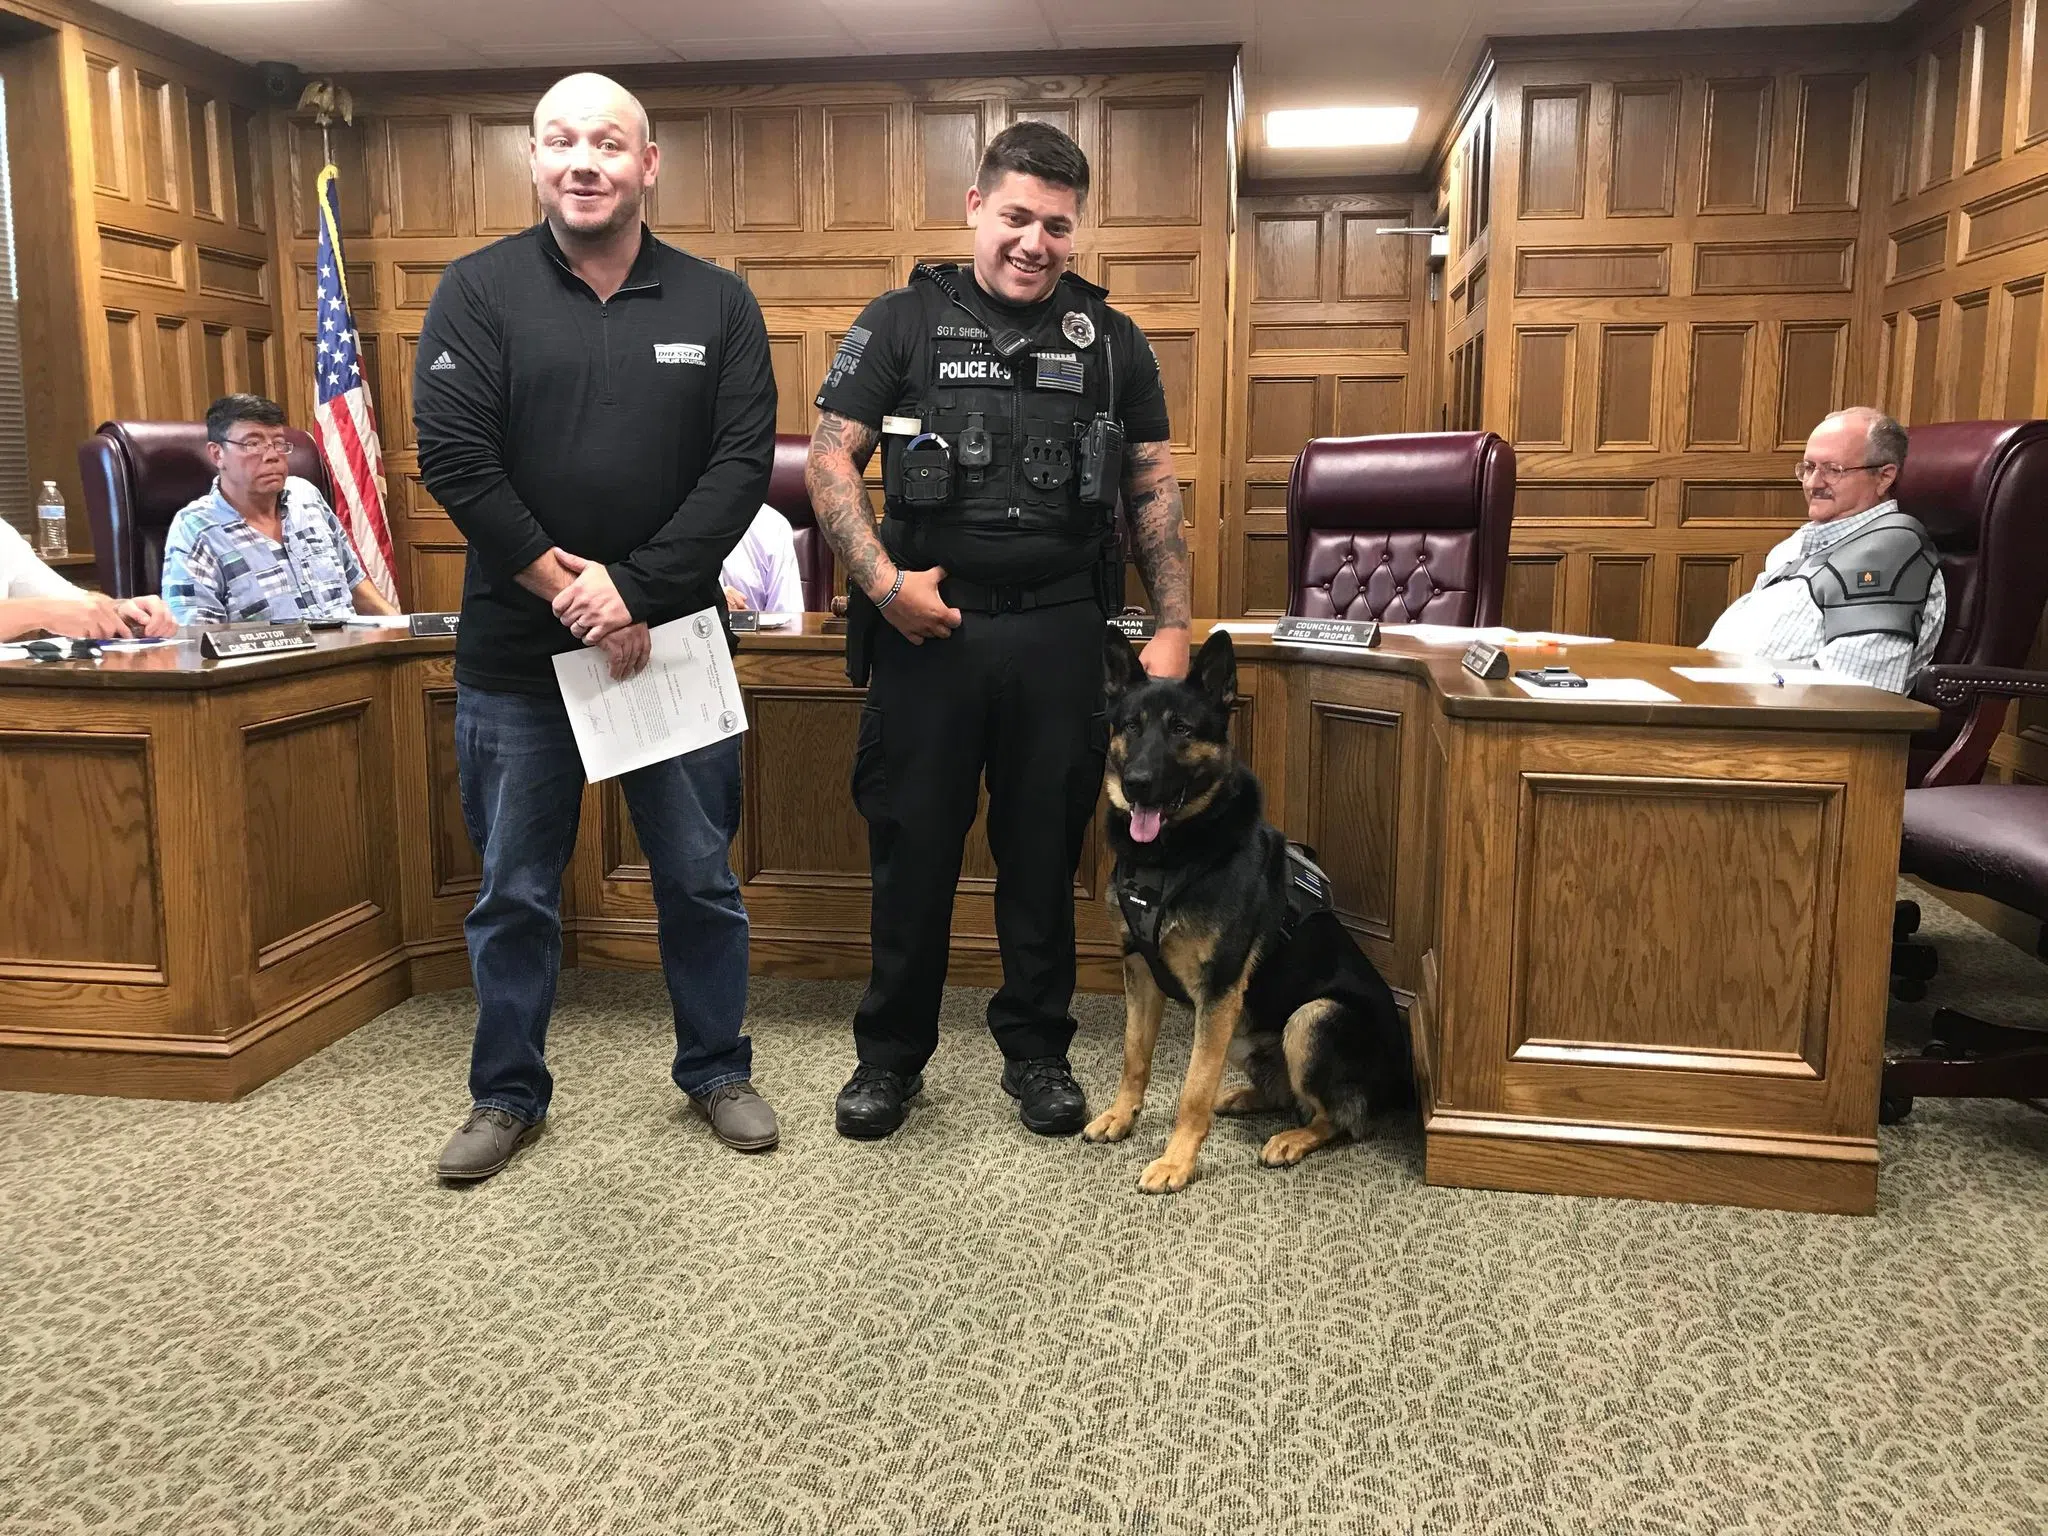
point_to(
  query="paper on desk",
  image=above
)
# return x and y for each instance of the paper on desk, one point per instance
(1244, 626)
(686, 698)
(1765, 677)
(1607, 690)
(1492, 634)
(378, 620)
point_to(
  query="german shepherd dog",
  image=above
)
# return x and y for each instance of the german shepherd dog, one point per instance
(1317, 1028)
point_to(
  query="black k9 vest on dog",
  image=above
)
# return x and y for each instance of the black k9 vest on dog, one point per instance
(1144, 892)
(1874, 582)
(1016, 430)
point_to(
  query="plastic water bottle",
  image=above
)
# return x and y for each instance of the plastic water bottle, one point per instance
(53, 541)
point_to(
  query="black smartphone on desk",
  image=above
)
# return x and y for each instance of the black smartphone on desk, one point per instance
(1552, 677)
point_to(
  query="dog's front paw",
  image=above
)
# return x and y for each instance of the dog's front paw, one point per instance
(1290, 1147)
(1241, 1101)
(1166, 1176)
(1113, 1124)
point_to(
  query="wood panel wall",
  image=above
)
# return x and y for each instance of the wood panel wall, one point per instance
(820, 194)
(1957, 269)
(1330, 336)
(141, 209)
(1653, 293)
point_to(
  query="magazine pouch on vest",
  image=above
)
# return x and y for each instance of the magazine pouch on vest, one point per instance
(1017, 429)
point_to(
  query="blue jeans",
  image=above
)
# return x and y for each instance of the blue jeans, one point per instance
(522, 796)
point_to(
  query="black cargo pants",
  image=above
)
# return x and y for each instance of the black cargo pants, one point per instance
(1018, 697)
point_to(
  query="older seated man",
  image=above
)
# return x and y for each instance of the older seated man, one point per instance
(262, 544)
(35, 600)
(1858, 590)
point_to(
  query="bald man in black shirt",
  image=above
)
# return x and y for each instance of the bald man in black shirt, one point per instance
(596, 410)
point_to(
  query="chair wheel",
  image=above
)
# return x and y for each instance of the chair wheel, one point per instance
(1905, 920)
(1894, 1107)
(1943, 1050)
(1907, 990)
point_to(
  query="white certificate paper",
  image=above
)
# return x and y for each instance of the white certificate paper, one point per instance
(686, 698)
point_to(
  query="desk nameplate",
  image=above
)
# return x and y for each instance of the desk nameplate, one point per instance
(232, 640)
(1346, 634)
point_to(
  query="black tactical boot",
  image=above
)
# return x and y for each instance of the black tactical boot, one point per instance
(870, 1106)
(1049, 1101)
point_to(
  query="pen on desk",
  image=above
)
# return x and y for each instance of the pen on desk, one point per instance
(1778, 678)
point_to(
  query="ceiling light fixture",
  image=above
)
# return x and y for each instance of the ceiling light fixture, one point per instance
(1336, 127)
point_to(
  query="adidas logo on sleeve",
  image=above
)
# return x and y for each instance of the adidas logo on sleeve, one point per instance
(442, 364)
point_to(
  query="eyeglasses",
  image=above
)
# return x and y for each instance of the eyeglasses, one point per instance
(1806, 469)
(262, 447)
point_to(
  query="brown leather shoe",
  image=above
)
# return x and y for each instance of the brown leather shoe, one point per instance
(740, 1117)
(484, 1145)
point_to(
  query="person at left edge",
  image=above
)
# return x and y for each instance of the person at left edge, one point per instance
(261, 544)
(596, 410)
(35, 600)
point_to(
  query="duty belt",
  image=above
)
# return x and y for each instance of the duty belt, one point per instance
(974, 597)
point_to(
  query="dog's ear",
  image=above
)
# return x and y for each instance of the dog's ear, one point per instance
(1215, 668)
(1121, 671)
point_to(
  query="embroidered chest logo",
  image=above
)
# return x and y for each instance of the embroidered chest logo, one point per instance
(1865, 579)
(678, 352)
(973, 370)
(442, 364)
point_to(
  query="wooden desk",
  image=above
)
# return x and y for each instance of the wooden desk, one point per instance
(1644, 946)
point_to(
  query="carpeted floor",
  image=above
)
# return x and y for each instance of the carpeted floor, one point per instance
(268, 1317)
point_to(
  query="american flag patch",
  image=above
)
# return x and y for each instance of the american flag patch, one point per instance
(1059, 370)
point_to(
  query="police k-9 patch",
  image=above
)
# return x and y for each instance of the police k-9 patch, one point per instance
(974, 370)
(678, 352)
(846, 360)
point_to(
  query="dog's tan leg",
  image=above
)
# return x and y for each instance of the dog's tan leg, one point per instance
(1296, 1043)
(1215, 1022)
(1144, 1004)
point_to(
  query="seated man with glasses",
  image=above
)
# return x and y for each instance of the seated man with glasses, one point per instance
(262, 544)
(1858, 590)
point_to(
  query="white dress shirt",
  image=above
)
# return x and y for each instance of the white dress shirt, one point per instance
(762, 566)
(1781, 622)
(24, 575)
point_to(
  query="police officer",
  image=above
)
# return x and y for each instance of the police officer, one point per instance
(1013, 406)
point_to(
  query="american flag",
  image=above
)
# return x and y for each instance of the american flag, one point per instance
(347, 421)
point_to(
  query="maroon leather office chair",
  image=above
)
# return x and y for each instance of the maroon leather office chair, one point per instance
(1411, 528)
(788, 495)
(138, 476)
(1990, 840)
(1980, 488)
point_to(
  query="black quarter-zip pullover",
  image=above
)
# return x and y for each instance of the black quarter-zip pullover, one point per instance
(638, 431)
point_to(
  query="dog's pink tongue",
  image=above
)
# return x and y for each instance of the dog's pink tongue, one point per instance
(1144, 823)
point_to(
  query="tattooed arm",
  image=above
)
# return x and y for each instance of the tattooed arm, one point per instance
(840, 450)
(1152, 504)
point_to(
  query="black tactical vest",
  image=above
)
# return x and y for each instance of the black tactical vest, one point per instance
(999, 438)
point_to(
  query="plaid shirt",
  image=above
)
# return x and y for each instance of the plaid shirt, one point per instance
(1782, 622)
(218, 569)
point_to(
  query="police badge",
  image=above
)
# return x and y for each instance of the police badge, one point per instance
(1078, 328)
